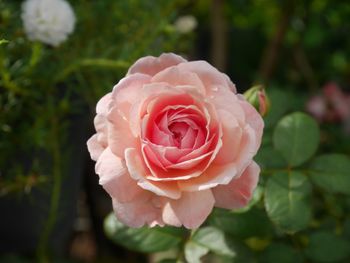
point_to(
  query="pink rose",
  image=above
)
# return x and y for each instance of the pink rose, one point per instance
(332, 105)
(174, 140)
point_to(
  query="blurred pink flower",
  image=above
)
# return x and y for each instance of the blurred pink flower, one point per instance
(333, 105)
(174, 140)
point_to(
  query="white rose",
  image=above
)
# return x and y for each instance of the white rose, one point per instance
(48, 21)
(185, 24)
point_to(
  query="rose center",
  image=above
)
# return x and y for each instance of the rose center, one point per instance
(178, 130)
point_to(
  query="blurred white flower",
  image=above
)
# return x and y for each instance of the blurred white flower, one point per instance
(48, 21)
(185, 24)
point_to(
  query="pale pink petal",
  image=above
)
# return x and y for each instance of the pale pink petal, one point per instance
(127, 92)
(211, 78)
(139, 172)
(102, 104)
(115, 178)
(211, 177)
(239, 191)
(139, 213)
(248, 148)
(190, 210)
(120, 136)
(230, 102)
(152, 65)
(231, 138)
(253, 118)
(175, 77)
(100, 122)
(94, 147)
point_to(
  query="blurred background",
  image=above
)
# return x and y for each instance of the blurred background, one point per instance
(50, 200)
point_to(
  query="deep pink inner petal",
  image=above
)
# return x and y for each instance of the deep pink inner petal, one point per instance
(176, 126)
(177, 133)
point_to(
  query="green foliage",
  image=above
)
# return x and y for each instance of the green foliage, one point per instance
(296, 137)
(213, 240)
(281, 253)
(143, 239)
(253, 223)
(287, 200)
(327, 247)
(332, 173)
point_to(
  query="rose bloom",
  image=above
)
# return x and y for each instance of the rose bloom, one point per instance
(173, 140)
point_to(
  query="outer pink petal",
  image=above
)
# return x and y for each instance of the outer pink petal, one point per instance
(212, 176)
(139, 172)
(175, 77)
(139, 213)
(100, 122)
(230, 102)
(231, 138)
(152, 65)
(239, 191)
(248, 148)
(253, 118)
(120, 136)
(115, 178)
(211, 78)
(127, 92)
(190, 210)
(94, 147)
(102, 104)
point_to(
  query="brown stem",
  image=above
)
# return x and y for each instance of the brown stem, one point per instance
(218, 35)
(304, 66)
(272, 50)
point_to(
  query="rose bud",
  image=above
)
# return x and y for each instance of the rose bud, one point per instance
(257, 96)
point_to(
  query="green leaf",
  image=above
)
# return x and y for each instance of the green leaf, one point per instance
(287, 200)
(296, 137)
(280, 103)
(213, 239)
(280, 253)
(268, 157)
(327, 247)
(194, 252)
(253, 223)
(332, 173)
(142, 239)
(3, 41)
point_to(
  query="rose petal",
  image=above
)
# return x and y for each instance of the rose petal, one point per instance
(94, 147)
(231, 138)
(190, 210)
(139, 213)
(253, 118)
(102, 104)
(211, 78)
(230, 102)
(120, 136)
(100, 122)
(115, 178)
(138, 171)
(175, 77)
(239, 191)
(212, 176)
(127, 92)
(152, 65)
